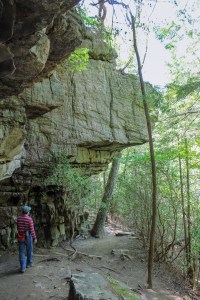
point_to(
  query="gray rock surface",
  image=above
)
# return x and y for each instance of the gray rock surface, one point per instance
(36, 35)
(89, 115)
(93, 286)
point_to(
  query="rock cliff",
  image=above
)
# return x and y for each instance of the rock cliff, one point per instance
(34, 36)
(90, 115)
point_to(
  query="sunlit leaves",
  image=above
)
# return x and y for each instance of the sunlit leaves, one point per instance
(71, 180)
(167, 33)
(181, 91)
(78, 60)
(91, 22)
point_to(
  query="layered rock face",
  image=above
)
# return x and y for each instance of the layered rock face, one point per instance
(90, 116)
(34, 36)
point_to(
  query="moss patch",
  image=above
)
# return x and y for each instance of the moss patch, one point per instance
(121, 290)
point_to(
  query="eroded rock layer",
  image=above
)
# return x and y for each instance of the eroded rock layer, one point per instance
(88, 115)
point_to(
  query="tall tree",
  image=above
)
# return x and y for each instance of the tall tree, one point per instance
(153, 162)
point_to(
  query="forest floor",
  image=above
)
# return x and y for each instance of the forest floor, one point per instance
(47, 279)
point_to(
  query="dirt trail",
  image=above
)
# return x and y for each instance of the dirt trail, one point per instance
(47, 279)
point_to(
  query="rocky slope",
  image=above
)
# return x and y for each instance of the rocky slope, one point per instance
(90, 115)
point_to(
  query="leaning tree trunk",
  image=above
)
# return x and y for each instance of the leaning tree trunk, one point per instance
(98, 228)
(153, 163)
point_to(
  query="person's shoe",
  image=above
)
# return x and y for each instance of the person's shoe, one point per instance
(22, 271)
(29, 266)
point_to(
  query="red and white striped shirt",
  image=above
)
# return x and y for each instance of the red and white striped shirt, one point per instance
(24, 222)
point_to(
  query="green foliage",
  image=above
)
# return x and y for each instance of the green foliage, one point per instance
(196, 233)
(74, 184)
(78, 60)
(169, 32)
(91, 22)
(107, 36)
(182, 91)
(132, 198)
(121, 290)
(181, 37)
(96, 26)
(95, 196)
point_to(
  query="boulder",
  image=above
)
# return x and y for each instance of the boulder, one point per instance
(93, 286)
(88, 286)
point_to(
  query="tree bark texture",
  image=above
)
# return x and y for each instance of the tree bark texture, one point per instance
(98, 228)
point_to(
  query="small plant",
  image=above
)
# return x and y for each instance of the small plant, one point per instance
(78, 60)
(74, 184)
(88, 21)
(96, 26)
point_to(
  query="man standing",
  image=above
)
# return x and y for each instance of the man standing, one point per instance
(26, 237)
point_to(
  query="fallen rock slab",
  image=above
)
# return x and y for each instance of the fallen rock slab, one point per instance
(93, 286)
(87, 286)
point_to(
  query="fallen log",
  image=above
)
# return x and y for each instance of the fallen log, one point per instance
(123, 233)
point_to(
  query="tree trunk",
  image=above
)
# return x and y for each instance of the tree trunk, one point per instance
(125, 165)
(189, 241)
(98, 228)
(183, 209)
(153, 163)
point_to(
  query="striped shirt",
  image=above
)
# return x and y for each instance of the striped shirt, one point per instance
(24, 223)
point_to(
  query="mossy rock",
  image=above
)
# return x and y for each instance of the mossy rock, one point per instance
(122, 290)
